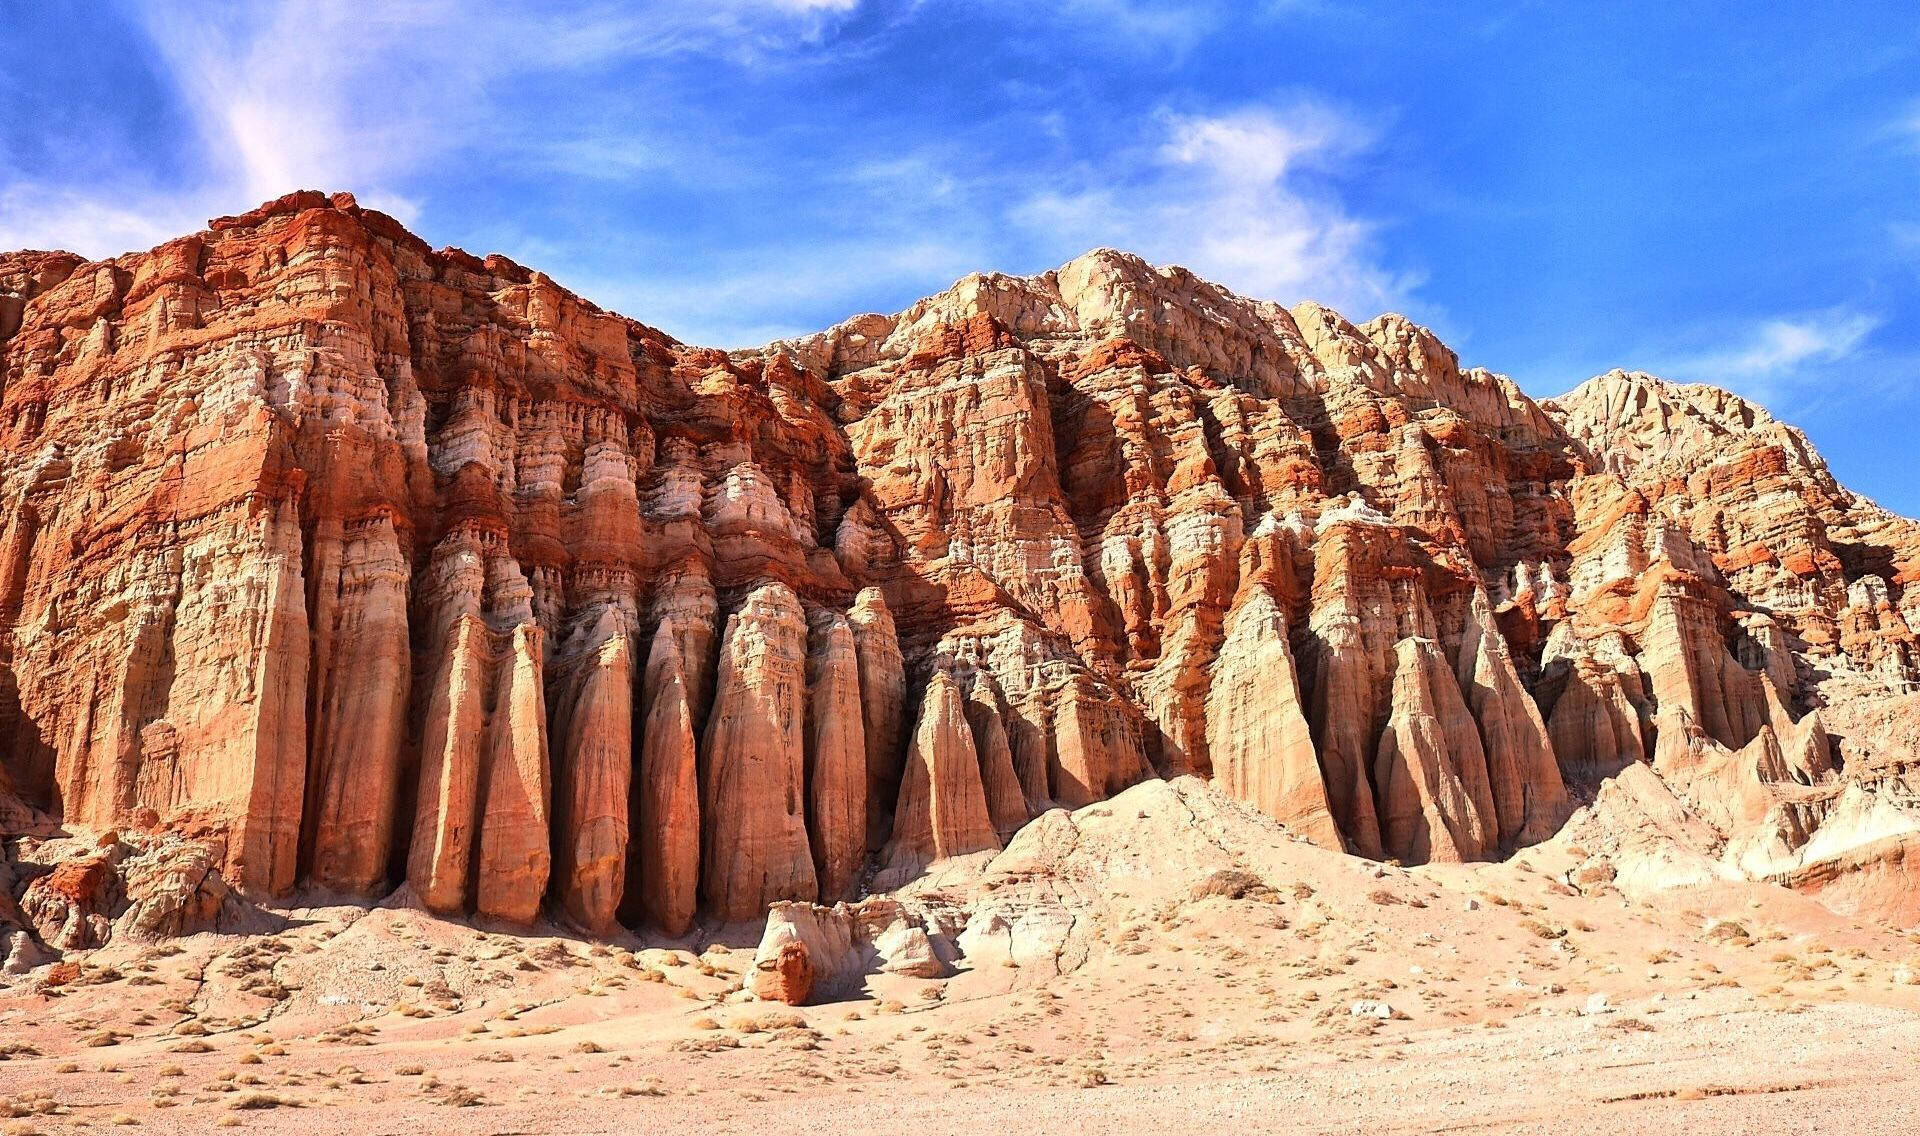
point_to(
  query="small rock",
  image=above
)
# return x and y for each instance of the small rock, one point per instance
(905, 949)
(1596, 1004)
(1367, 1008)
(786, 976)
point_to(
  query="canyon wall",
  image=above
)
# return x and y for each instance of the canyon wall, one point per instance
(367, 565)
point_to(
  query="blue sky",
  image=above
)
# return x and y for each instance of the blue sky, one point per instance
(1719, 193)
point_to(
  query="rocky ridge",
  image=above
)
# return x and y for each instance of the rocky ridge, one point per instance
(357, 565)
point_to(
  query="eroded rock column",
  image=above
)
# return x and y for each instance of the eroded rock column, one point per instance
(883, 704)
(1435, 802)
(353, 779)
(942, 809)
(836, 757)
(754, 848)
(593, 772)
(664, 869)
(1256, 731)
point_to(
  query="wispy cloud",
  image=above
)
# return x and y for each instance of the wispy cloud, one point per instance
(1166, 25)
(754, 299)
(1781, 361)
(91, 222)
(1248, 198)
(785, 221)
(334, 94)
(1908, 124)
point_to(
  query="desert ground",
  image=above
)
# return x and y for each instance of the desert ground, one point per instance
(1294, 990)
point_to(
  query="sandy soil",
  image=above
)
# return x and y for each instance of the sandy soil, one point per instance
(1516, 1004)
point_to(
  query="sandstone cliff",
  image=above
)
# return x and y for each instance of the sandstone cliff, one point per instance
(360, 564)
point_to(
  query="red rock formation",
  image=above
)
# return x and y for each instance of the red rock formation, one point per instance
(1262, 751)
(883, 707)
(359, 730)
(836, 757)
(1006, 798)
(752, 790)
(593, 773)
(1436, 802)
(332, 554)
(942, 810)
(663, 874)
(1529, 797)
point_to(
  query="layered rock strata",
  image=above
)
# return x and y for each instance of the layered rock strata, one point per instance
(359, 564)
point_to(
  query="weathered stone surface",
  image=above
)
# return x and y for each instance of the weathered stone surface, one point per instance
(360, 724)
(1435, 799)
(514, 858)
(593, 773)
(450, 762)
(1262, 751)
(1006, 798)
(812, 953)
(663, 874)
(836, 756)
(883, 704)
(754, 846)
(1529, 797)
(943, 805)
(296, 504)
(72, 907)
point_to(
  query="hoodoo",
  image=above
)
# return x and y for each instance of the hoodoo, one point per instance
(362, 565)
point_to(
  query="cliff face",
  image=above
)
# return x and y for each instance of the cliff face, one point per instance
(363, 564)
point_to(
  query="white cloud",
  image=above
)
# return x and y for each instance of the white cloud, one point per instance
(1244, 198)
(93, 223)
(1783, 361)
(1909, 124)
(1780, 346)
(333, 94)
(340, 94)
(753, 298)
(1148, 24)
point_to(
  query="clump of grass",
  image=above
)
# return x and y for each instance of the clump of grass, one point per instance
(769, 1021)
(1729, 931)
(248, 1102)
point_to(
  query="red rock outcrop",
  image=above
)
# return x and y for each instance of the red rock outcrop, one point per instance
(593, 772)
(1436, 802)
(942, 809)
(335, 555)
(1529, 795)
(664, 872)
(1259, 743)
(752, 789)
(836, 756)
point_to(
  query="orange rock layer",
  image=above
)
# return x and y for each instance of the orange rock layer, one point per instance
(367, 565)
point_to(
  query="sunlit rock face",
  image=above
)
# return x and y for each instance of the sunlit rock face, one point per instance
(363, 565)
